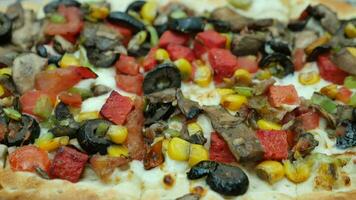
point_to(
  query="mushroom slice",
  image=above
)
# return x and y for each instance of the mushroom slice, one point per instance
(345, 60)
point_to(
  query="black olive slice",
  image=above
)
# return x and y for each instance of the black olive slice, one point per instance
(62, 111)
(102, 59)
(157, 112)
(124, 18)
(5, 28)
(41, 50)
(278, 47)
(135, 6)
(281, 59)
(163, 77)
(22, 132)
(89, 139)
(220, 25)
(53, 5)
(187, 25)
(202, 169)
(318, 51)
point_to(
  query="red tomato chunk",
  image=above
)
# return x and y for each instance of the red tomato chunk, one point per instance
(329, 71)
(283, 94)
(116, 108)
(223, 63)
(274, 144)
(171, 37)
(310, 120)
(219, 150)
(207, 40)
(179, 51)
(130, 83)
(127, 65)
(28, 158)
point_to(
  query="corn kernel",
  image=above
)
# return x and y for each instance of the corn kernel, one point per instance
(48, 143)
(118, 151)
(51, 67)
(228, 37)
(194, 128)
(149, 11)
(117, 133)
(69, 60)
(233, 102)
(2, 90)
(203, 76)
(264, 75)
(318, 42)
(6, 70)
(184, 67)
(352, 51)
(197, 153)
(99, 11)
(297, 171)
(161, 55)
(87, 115)
(350, 30)
(225, 91)
(267, 125)
(270, 171)
(329, 90)
(178, 149)
(309, 78)
(243, 76)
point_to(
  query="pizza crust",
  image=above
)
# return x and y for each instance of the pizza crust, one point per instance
(322, 195)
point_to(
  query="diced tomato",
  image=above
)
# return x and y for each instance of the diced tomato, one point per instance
(55, 81)
(28, 158)
(298, 59)
(124, 31)
(71, 28)
(274, 143)
(223, 63)
(68, 164)
(116, 108)
(178, 51)
(329, 71)
(219, 150)
(171, 37)
(127, 65)
(291, 139)
(282, 94)
(129, 83)
(29, 99)
(207, 40)
(247, 62)
(71, 99)
(310, 120)
(343, 95)
(150, 62)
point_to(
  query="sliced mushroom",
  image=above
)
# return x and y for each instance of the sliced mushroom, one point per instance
(328, 18)
(5, 28)
(189, 108)
(24, 70)
(16, 12)
(345, 60)
(248, 44)
(62, 45)
(164, 96)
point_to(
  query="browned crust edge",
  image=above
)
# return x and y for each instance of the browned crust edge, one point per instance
(349, 195)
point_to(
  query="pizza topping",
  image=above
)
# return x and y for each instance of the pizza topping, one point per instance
(154, 157)
(274, 143)
(219, 150)
(171, 37)
(122, 18)
(279, 95)
(305, 144)
(5, 31)
(346, 135)
(330, 71)
(345, 60)
(279, 64)
(297, 171)
(187, 25)
(270, 171)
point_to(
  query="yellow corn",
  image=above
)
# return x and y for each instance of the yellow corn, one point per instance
(48, 143)
(329, 90)
(6, 70)
(318, 42)
(184, 67)
(178, 149)
(297, 171)
(243, 76)
(264, 74)
(87, 115)
(118, 151)
(228, 37)
(225, 91)
(2, 90)
(194, 128)
(149, 11)
(203, 76)
(270, 171)
(161, 55)
(99, 11)
(197, 153)
(233, 102)
(267, 125)
(117, 133)
(69, 60)
(350, 30)
(352, 50)
(309, 78)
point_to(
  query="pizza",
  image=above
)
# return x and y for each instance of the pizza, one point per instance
(188, 100)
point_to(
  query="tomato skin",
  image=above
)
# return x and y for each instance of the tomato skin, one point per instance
(178, 51)
(84, 72)
(274, 143)
(116, 108)
(207, 40)
(29, 99)
(129, 83)
(150, 62)
(171, 37)
(71, 99)
(223, 62)
(71, 28)
(310, 120)
(329, 71)
(28, 158)
(282, 94)
(298, 59)
(68, 164)
(344, 95)
(127, 65)
(219, 150)
(247, 62)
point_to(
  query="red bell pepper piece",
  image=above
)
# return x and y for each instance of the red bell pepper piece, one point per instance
(219, 150)
(71, 99)
(207, 40)
(274, 144)
(129, 83)
(68, 164)
(150, 62)
(329, 71)
(178, 51)
(116, 108)
(282, 94)
(223, 63)
(28, 158)
(127, 65)
(171, 37)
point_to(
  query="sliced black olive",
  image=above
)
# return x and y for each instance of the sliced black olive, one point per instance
(228, 180)
(297, 25)
(282, 60)
(140, 51)
(67, 127)
(187, 25)
(54, 59)
(62, 111)
(318, 51)
(41, 50)
(22, 132)
(202, 169)
(162, 77)
(220, 25)
(135, 6)
(158, 111)
(91, 136)
(278, 47)
(161, 28)
(53, 5)
(124, 18)
(348, 138)
(197, 138)
(102, 59)
(5, 28)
